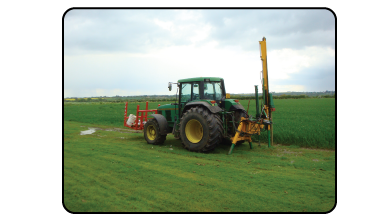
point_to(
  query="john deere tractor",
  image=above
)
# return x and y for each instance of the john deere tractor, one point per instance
(202, 118)
(204, 115)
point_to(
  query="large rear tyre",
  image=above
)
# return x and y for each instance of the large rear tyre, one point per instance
(152, 133)
(200, 130)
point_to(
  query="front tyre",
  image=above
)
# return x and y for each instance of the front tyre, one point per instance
(152, 133)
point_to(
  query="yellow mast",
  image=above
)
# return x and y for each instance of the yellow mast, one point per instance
(263, 57)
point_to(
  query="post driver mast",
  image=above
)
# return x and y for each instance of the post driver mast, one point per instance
(267, 97)
(250, 126)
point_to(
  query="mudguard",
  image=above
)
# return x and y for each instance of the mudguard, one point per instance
(162, 123)
(213, 109)
(236, 107)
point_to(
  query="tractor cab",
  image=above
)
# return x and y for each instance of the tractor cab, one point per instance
(208, 92)
(201, 88)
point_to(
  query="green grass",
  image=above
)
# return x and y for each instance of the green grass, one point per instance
(114, 170)
(302, 122)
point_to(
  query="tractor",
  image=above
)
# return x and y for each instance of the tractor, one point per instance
(204, 115)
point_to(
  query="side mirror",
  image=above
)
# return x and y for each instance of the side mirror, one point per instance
(170, 86)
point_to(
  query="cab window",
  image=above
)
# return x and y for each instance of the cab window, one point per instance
(212, 90)
(218, 90)
(195, 91)
(185, 95)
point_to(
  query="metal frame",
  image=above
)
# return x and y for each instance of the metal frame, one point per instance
(139, 125)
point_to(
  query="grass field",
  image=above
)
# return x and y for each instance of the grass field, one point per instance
(115, 170)
(301, 122)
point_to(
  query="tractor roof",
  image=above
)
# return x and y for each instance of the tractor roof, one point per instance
(197, 79)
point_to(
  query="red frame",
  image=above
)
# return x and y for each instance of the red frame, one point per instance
(139, 118)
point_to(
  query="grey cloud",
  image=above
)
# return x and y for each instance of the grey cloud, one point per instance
(285, 28)
(132, 31)
(135, 31)
(314, 79)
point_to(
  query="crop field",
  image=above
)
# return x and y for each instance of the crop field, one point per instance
(301, 122)
(115, 170)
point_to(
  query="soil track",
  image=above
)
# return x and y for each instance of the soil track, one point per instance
(121, 130)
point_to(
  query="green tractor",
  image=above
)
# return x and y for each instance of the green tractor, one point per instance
(203, 117)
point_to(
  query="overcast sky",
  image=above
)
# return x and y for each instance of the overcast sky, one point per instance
(137, 52)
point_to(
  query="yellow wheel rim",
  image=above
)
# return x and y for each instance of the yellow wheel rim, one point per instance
(194, 131)
(151, 132)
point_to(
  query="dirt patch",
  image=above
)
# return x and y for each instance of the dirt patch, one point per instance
(93, 129)
(126, 130)
(121, 130)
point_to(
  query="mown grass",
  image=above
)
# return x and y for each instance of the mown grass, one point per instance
(302, 122)
(117, 171)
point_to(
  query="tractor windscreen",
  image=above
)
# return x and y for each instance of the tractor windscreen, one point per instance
(213, 90)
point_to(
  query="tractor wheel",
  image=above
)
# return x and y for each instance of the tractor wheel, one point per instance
(152, 133)
(200, 130)
(237, 119)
